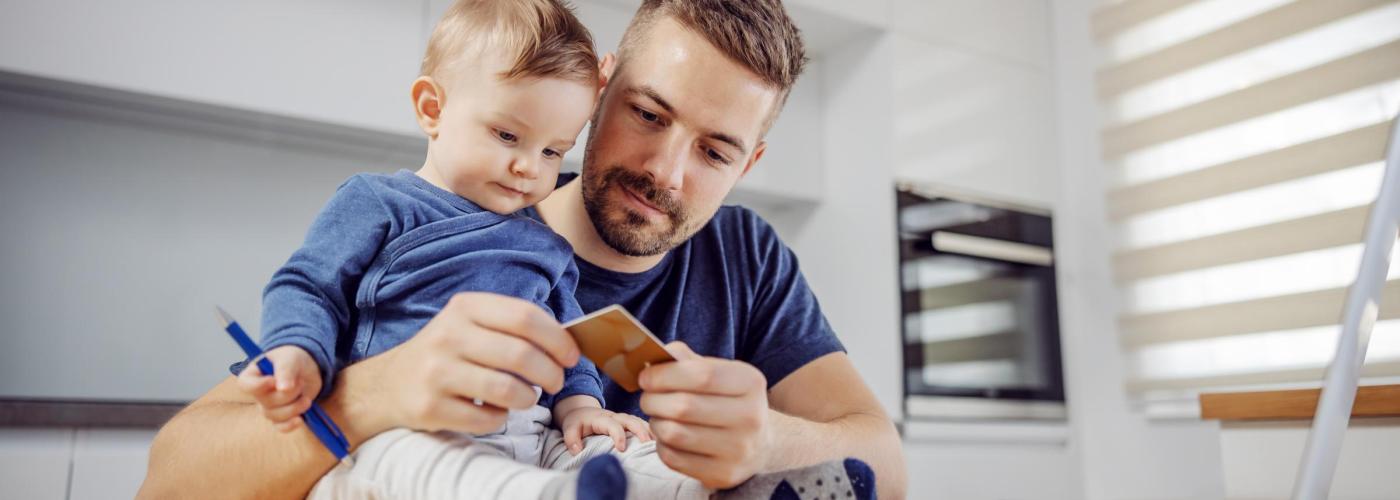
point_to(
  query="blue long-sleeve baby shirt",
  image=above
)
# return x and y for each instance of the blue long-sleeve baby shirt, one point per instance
(385, 255)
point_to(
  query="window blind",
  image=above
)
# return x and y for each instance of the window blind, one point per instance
(1244, 141)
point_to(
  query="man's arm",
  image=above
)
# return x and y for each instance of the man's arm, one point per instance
(222, 446)
(714, 421)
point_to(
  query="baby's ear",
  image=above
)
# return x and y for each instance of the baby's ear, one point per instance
(606, 66)
(428, 101)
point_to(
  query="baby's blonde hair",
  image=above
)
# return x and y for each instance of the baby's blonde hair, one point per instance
(542, 37)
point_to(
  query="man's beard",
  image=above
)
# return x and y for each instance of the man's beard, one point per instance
(620, 227)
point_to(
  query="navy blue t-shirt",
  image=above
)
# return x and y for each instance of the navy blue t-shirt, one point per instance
(733, 291)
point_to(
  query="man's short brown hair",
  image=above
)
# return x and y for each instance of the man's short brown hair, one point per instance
(757, 34)
(542, 37)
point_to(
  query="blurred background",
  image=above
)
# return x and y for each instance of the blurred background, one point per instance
(1042, 228)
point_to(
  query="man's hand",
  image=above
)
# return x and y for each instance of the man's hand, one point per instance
(709, 416)
(469, 353)
(290, 390)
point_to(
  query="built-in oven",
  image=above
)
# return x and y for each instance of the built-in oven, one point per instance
(979, 312)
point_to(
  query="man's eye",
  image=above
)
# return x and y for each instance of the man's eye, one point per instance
(647, 115)
(505, 136)
(714, 155)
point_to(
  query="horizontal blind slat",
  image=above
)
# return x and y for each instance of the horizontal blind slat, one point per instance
(1276, 24)
(1326, 230)
(1348, 149)
(1286, 312)
(1372, 66)
(1112, 19)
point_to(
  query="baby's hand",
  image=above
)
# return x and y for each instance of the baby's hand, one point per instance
(589, 421)
(289, 392)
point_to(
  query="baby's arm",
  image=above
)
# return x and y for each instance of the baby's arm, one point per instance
(308, 304)
(290, 390)
(581, 416)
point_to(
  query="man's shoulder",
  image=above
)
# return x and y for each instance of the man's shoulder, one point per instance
(738, 221)
(727, 211)
(739, 227)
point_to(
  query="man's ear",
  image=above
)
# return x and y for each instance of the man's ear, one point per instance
(757, 153)
(428, 101)
(606, 66)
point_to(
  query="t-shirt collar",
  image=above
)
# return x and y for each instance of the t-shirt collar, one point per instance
(453, 198)
(598, 273)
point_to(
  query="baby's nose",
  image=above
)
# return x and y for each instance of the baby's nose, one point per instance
(524, 168)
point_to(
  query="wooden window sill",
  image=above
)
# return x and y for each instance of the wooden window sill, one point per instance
(1301, 404)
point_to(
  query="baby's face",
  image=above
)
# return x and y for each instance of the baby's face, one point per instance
(500, 143)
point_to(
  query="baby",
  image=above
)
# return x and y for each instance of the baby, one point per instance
(506, 88)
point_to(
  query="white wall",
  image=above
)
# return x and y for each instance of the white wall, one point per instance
(974, 93)
(352, 66)
(1260, 459)
(1123, 455)
(143, 225)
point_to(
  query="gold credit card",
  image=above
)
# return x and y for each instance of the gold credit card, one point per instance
(618, 344)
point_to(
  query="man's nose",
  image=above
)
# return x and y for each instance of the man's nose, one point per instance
(667, 163)
(525, 167)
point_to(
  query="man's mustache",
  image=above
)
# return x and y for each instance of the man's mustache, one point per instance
(644, 187)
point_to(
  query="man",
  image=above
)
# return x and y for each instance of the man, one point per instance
(684, 109)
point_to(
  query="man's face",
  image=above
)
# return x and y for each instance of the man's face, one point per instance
(678, 126)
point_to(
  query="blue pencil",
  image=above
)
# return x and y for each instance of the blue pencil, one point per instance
(316, 419)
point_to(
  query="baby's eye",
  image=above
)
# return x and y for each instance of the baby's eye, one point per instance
(551, 154)
(506, 136)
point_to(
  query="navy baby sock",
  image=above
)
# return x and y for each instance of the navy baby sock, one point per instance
(602, 479)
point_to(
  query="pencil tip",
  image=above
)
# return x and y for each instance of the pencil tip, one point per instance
(223, 315)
